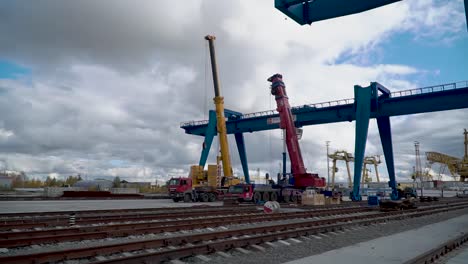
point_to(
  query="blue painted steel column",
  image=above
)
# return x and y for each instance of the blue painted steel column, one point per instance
(209, 135)
(242, 155)
(386, 137)
(362, 101)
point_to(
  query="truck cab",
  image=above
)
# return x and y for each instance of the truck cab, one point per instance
(240, 192)
(179, 187)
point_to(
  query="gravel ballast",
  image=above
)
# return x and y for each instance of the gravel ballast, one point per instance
(307, 247)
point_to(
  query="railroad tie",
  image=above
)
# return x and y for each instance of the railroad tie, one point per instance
(203, 258)
(177, 261)
(295, 240)
(242, 250)
(223, 254)
(259, 248)
(284, 242)
(271, 244)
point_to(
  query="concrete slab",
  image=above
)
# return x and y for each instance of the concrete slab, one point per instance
(396, 248)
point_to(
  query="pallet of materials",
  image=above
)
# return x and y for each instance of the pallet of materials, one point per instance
(313, 199)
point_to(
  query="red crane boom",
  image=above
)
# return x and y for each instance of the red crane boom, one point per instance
(302, 179)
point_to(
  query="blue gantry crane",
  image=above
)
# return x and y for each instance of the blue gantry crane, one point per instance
(305, 12)
(374, 101)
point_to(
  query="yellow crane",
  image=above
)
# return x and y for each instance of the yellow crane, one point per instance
(372, 160)
(347, 158)
(220, 119)
(457, 167)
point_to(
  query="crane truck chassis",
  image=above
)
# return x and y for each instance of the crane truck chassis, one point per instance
(181, 189)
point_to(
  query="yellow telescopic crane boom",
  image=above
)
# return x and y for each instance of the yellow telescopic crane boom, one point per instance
(220, 119)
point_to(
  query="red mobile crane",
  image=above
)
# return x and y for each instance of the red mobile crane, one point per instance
(302, 178)
(287, 191)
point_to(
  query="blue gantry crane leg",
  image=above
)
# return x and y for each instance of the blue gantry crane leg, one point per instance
(211, 131)
(362, 97)
(385, 132)
(242, 155)
(367, 100)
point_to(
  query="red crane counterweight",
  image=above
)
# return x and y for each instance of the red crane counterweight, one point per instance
(302, 179)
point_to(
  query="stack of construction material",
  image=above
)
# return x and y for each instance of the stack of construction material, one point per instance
(332, 200)
(213, 176)
(309, 197)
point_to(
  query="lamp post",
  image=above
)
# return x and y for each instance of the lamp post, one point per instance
(328, 166)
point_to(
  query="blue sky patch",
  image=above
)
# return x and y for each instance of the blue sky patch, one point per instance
(9, 70)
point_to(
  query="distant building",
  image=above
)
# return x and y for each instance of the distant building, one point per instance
(98, 184)
(5, 182)
(126, 184)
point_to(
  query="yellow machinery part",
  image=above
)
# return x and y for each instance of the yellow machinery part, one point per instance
(198, 175)
(213, 176)
(223, 142)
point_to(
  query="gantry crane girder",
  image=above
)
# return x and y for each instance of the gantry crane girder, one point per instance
(305, 12)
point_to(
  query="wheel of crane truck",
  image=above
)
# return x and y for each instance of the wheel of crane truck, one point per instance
(176, 200)
(257, 197)
(266, 196)
(293, 198)
(274, 197)
(187, 198)
(211, 197)
(204, 197)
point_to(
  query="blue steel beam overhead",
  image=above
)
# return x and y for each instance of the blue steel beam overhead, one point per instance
(308, 11)
(422, 100)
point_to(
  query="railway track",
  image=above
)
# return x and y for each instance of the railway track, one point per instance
(63, 220)
(25, 238)
(83, 219)
(185, 245)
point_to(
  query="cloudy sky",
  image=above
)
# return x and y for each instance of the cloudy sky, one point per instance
(100, 87)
